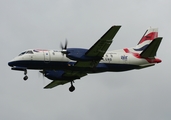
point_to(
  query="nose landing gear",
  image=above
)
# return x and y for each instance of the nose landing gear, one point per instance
(21, 69)
(25, 77)
(72, 88)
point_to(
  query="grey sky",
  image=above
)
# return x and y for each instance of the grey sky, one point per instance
(133, 95)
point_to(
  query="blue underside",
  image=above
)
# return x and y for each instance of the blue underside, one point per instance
(101, 67)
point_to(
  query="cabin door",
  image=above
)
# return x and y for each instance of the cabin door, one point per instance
(46, 56)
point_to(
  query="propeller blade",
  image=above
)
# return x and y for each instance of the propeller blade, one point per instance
(61, 46)
(66, 43)
(64, 48)
(42, 73)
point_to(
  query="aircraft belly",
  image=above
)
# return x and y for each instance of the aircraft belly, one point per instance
(41, 64)
(121, 67)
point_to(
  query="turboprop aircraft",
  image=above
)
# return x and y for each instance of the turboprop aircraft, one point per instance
(69, 64)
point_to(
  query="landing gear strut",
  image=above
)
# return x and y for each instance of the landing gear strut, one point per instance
(25, 77)
(72, 88)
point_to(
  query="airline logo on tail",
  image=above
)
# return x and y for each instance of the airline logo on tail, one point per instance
(146, 39)
(150, 34)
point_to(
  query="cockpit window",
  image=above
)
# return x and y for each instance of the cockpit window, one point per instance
(22, 53)
(26, 52)
(29, 52)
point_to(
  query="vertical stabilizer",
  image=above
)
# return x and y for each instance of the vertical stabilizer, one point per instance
(146, 39)
(149, 35)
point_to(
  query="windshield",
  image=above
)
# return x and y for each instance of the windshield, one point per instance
(22, 53)
(29, 52)
(26, 52)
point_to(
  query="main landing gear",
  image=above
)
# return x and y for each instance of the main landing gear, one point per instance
(72, 88)
(25, 77)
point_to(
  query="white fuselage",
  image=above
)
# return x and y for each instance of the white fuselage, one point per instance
(33, 57)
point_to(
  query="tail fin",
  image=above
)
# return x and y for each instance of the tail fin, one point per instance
(146, 39)
(151, 50)
(150, 34)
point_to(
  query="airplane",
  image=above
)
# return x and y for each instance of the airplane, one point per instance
(66, 65)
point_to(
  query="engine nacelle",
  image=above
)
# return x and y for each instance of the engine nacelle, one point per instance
(53, 75)
(79, 54)
(58, 75)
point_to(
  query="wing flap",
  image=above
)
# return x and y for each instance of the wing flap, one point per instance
(55, 83)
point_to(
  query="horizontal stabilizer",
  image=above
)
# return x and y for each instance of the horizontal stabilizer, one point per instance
(152, 48)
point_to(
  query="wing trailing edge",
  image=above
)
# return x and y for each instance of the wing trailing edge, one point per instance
(55, 83)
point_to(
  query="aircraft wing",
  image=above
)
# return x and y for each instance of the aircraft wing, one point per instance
(55, 83)
(71, 75)
(99, 48)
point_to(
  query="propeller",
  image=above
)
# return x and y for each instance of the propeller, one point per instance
(64, 48)
(43, 72)
(43, 75)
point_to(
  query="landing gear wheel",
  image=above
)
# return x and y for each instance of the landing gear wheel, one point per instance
(25, 73)
(72, 88)
(25, 77)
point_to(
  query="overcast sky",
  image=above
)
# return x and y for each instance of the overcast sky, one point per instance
(134, 95)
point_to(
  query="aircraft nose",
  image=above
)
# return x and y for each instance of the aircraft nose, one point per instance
(10, 64)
